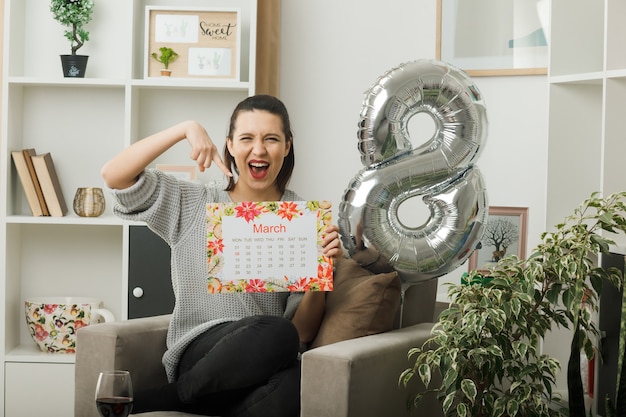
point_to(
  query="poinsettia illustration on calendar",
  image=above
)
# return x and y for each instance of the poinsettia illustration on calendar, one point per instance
(268, 246)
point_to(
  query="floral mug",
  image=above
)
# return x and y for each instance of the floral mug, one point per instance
(54, 321)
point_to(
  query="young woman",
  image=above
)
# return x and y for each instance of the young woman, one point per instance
(228, 354)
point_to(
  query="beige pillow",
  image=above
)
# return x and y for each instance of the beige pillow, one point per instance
(361, 303)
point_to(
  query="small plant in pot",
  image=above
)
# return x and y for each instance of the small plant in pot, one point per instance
(74, 15)
(166, 56)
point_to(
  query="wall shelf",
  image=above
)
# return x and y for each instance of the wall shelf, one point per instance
(70, 218)
(31, 354)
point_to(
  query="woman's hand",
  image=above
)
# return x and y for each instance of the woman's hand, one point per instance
(309, 315)
(203, 150)
(310, 312)
(123, 170)
(331, 243)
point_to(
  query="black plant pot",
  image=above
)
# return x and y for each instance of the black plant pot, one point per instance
(74, 66)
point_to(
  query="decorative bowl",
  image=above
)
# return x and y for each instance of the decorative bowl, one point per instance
(53, 321)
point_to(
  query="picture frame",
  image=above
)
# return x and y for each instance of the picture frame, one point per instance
(505, 234)
(468, 38)
(182, 172)
(212, 50)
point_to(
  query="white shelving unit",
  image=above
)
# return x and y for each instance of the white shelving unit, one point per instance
(587, 123)
(587, 127)
(83, 123)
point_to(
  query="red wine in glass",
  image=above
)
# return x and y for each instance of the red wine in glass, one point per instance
(114, 394)
(114, 406)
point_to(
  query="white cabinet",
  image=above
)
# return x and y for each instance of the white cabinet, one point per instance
(587, 123)
(83, 123)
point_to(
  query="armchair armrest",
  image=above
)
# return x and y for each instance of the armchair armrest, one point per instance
(359, 377)
(135, 345)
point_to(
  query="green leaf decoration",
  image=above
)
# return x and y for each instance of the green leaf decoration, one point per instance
(469, 389)
(461, 410)
(512, 407)
(499, 407)
(447, 402)
(424, 373)
(516, 307)
(405, 377)
(450, 378)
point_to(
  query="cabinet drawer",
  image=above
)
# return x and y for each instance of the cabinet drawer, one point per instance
(39, 389)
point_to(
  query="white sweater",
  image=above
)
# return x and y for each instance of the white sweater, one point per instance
(176, 211)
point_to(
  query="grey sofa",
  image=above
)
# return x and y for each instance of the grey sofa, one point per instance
(355, 378)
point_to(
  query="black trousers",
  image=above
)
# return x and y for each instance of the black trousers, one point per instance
(245, 368)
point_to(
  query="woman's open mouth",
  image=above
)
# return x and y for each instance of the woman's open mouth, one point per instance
(258, 170)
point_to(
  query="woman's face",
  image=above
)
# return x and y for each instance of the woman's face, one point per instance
(259, 147)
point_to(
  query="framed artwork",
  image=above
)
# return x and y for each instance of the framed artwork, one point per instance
(494, 37)
(207, 41)
(182, 172)
(505, 234)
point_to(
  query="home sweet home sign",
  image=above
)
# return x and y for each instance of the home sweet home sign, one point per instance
(207, 41)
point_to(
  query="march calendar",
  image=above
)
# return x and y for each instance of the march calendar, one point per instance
(268, 246)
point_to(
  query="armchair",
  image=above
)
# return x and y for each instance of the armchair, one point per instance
(349, 378)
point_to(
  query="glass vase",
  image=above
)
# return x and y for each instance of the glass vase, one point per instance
(89, 202)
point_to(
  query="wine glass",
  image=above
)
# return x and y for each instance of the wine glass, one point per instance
(114, 394)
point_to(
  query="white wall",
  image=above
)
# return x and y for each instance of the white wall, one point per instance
(333, 51)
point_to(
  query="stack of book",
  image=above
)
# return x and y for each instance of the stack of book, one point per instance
(40, 182)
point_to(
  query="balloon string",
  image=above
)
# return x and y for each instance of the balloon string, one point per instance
(403, 289)
(402, 292)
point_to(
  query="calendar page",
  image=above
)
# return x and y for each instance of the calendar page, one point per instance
(268, 246)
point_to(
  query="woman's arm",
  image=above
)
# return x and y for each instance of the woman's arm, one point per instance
(122, 171)
(309, 314)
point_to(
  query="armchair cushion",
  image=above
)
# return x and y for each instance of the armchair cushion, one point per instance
(360, 377)
(361, 304)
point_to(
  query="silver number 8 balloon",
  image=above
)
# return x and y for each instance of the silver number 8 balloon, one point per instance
(441, 171)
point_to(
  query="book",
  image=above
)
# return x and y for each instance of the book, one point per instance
(27, 183)
(28, 155)
(50, 185)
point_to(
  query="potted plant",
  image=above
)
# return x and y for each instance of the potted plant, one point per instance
(166, 56)
(73, 14)
(485, 345)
